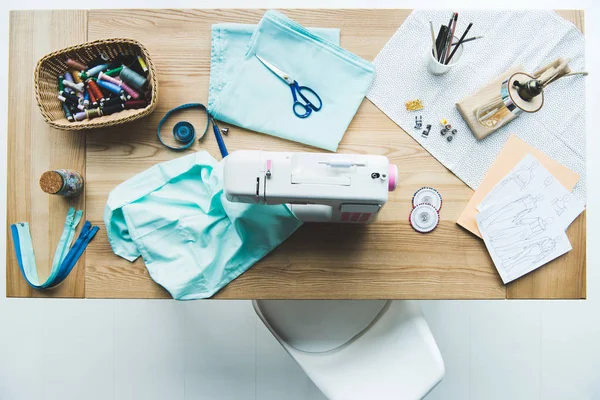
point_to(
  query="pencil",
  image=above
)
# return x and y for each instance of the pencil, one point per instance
(460, 41)
(469, 40)
(433, 40)
(451, 38)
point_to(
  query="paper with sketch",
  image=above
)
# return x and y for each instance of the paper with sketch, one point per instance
(511, 154)
(522, 234)
(529, 176)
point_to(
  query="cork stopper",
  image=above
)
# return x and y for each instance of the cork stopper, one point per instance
(51, 182)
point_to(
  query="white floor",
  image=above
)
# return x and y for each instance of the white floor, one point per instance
(219, 350)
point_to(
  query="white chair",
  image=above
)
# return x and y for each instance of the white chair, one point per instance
(358, 349)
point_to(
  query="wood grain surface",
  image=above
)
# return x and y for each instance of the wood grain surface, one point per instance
(383, 260)
(34, 147)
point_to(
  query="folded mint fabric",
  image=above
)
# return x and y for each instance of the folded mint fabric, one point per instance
(245, 93)
(230, 42)
(192, 239)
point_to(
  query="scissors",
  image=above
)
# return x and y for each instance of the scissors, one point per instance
(302, 110)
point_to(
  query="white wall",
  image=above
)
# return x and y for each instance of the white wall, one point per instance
(105, 349)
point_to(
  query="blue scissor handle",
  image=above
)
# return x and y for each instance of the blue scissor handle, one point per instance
(308, 107)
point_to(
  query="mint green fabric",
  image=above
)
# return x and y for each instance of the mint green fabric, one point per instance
(192, 239)
(230, 42)
(252, 97)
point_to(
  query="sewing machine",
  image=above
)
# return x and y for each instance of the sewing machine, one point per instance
(317, 187)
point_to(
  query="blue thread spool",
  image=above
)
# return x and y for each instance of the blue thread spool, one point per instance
(111, 87)
(95, 70)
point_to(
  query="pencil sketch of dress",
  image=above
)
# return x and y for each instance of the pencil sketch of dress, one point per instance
(508, 215)
(517, 181)
(526, 228)
(527, 254)
(560, 205)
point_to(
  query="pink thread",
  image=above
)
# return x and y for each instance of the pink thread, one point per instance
(120, 83)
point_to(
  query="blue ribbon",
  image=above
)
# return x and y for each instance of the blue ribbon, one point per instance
(63, 261)
(184, 132)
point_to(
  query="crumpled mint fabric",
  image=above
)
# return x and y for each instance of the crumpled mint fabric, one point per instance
(192, 239)
(245, 93)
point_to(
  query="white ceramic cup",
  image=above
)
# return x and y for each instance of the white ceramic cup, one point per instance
(437, 68)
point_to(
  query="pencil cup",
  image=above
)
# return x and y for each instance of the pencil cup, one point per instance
(437, 68)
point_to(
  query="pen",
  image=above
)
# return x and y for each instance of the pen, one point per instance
(469, 40)
(460, 41)
(450, 38)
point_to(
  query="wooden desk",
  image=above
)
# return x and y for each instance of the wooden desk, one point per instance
(384, 260)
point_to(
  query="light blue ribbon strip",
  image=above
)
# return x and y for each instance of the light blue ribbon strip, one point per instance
(64, 258)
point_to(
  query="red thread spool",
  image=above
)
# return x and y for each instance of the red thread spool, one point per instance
(96, 90)
(93, 98)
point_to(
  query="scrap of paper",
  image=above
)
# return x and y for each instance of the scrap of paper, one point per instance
(522, 234)
(529, 176)
(513, 151)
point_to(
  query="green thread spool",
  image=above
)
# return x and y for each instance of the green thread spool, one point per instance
(113, 72)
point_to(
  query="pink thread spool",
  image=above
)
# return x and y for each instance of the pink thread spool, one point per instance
(127, 89)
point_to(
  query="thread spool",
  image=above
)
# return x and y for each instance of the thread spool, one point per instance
(68, 114)
(93, 113)
(115, 71)
(95, 90)
(69, 77)
(63, 182)
(111, 87)
(80, 97)
(75, 86)
(95, 70)
(142, 64)
(93, 100)
(108, 110)
(68, 97)
(133, 79)
(88, 114)
(61, 86)
(76, 77)
(86, 99)
(76, 64)
(119, 83)
(112, 101)
(135, 104)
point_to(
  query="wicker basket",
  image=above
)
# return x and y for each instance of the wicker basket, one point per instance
(53, 64)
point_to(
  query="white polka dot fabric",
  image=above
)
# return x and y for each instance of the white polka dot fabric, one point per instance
(528, 38)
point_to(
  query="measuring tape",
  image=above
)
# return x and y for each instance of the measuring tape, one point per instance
(184, 132)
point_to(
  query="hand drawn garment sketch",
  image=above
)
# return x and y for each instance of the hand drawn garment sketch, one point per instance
(508, 215)
(525, 229)
(527, 254)
(516, 181)
(560, 205)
